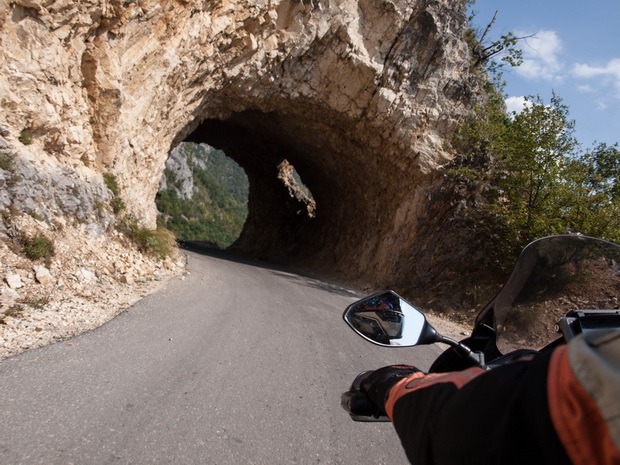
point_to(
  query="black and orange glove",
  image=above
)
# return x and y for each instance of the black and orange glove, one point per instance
(377, 385)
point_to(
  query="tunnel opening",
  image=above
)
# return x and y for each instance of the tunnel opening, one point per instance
(203, 195)
(295, 192)
(333, 230)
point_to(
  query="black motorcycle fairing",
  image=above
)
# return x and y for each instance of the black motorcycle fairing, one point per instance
(553, 276)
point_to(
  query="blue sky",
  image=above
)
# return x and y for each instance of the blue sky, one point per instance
(575, 52)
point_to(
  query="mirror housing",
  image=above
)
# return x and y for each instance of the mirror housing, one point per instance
(388, 320)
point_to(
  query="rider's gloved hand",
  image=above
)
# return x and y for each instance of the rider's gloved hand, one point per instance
(378, 384)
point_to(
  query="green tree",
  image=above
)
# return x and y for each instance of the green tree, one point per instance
(535, 151)
(527, 177)
(593, 180)
(604, 173)
(495, 54)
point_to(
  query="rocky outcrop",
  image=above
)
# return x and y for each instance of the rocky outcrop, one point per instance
(360, 96)
(178, 169)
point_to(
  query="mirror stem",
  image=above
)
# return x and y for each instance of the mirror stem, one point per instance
(463, 350)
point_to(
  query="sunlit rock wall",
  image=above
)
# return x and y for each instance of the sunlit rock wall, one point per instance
(361, 96)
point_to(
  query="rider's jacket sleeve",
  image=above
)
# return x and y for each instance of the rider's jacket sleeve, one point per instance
(557, 407)
(584, 397)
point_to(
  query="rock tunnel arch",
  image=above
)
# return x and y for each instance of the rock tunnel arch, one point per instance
(362, 112)
(359, 99)
(349, 180)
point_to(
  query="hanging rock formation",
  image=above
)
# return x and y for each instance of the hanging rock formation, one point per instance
(360, 96)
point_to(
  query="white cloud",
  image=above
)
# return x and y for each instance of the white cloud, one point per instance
(540, 56)
(602, 105)
(610, 72)
(516, 104)
(586, 88)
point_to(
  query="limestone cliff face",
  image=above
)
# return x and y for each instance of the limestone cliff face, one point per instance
(359, 96)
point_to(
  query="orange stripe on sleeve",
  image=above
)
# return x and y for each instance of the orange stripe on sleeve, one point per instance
(420, 380)
(575, 416)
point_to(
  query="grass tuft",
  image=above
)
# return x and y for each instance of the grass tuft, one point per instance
(39, 247)
(25, 136)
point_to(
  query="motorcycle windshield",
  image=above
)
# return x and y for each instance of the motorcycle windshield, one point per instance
(553, 276)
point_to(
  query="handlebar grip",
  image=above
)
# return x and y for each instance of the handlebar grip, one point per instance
(360, 407)
(357, 403)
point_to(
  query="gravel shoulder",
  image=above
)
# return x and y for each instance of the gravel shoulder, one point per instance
(86, 283)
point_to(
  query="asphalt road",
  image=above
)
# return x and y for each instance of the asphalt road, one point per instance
(236, 363)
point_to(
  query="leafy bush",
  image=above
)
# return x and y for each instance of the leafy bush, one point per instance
(531, 178)
(161, 242)
(117, 204)
(39, 303)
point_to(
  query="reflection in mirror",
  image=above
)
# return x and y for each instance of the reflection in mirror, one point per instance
(387, 319)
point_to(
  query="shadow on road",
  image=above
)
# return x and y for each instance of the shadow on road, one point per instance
(289, 273)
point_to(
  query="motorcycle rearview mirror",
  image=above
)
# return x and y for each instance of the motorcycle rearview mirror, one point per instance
(388, 320)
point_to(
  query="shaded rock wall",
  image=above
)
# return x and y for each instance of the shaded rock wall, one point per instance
(360, 96)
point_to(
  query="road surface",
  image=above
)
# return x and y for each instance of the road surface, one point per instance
(235, 363)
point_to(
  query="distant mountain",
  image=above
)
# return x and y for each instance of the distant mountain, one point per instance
(203, 195)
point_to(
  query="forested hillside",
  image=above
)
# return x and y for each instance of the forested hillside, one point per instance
(203, 195)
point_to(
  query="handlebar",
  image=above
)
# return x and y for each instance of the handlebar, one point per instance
(358, 404)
